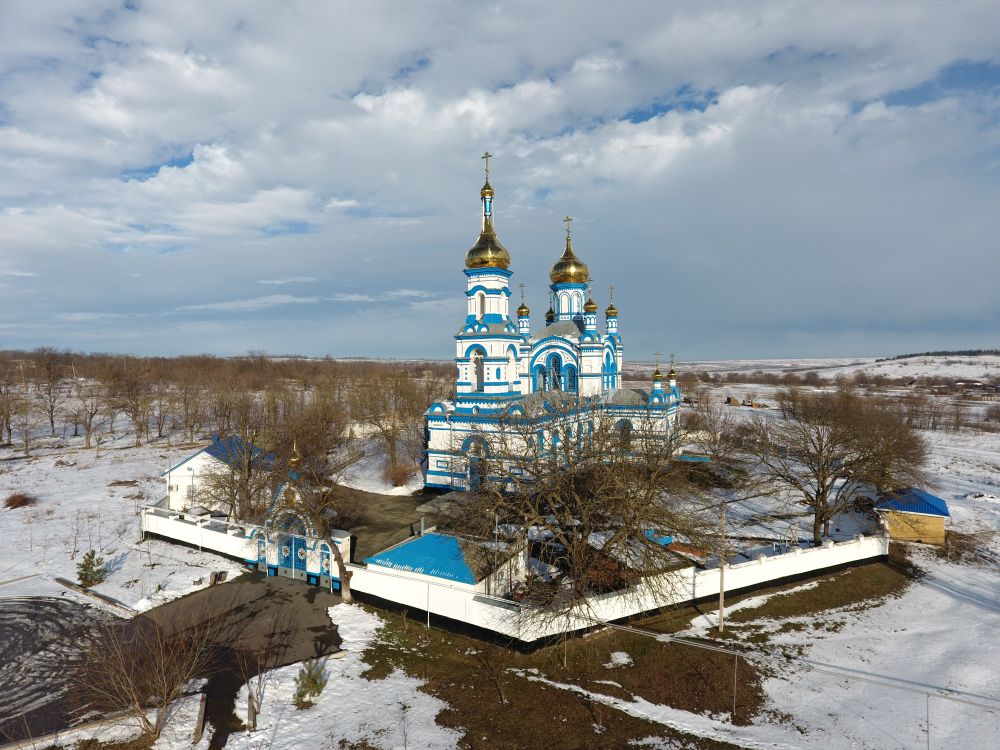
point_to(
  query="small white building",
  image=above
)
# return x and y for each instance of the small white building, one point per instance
(183, 477)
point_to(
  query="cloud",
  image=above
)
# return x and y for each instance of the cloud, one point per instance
(254, 304)
(289, 280)
(756, 180)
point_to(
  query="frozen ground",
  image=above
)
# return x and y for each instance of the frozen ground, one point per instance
(940, 634)
(80, 507)
(387, 713)
(982, 367)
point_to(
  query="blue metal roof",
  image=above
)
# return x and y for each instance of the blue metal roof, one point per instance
(230, 449)
(659, 538)
(432, 554)
(912, 500)
(694, 458)
(227, 450)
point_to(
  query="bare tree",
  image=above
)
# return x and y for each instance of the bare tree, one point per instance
(50, 371)
(241, 482)
(257, 656)
(190, 406)
(140, 668)
(136, 401)
(8, 399)
(325, 451)
(26, 417)
(390, 406)
(90, 403)
(597, 495)
(161, 404)
(831, 445)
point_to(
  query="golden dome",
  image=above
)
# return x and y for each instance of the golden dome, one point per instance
(590, 306)
(672, 375)
(550, 315)
(523, 311)
(487, 252)
(611, 311)
(657, 375)
(569, 269)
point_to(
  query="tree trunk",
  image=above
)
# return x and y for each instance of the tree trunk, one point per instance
(343, 572)
(817, 527)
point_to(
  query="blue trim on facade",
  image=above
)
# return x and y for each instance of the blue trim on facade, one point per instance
(488, 272)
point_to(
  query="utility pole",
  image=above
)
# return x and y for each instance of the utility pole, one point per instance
(722, 567)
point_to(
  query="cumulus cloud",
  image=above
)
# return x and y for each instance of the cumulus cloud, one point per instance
(756, 180)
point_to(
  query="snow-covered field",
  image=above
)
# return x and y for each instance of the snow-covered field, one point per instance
(387, 713)
(80, 507)
(941, 633)
(984, 367)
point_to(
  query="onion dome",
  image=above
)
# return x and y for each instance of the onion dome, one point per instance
(611, 311)
(672, 375)
(487, 252)
(590, 306)
(569, 269)
(523, 311)
(550, 316)
(657, 375)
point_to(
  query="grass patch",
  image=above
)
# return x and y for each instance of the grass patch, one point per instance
(665, 673)
(19, 500)
(455, 670)
(866, 585)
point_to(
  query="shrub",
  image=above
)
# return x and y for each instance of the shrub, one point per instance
(399, 474)
(309, 682)
(91, 570)
(19, 500)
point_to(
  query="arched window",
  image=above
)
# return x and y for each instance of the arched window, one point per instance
(555, 372)
(480, 305)
(571, 379)
(478, 371)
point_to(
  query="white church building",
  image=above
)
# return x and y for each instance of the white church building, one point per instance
(501, 363)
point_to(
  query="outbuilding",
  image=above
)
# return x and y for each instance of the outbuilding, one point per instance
(913, 515)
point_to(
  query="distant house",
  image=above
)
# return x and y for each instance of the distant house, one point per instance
(479, 566)
(182, 478)
(913, 515)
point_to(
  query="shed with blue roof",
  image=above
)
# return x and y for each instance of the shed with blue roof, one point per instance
(914, 515)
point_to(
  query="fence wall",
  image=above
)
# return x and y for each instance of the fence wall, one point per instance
(462, 603)
(508, 618)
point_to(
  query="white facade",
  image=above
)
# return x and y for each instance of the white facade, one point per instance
(499, 361)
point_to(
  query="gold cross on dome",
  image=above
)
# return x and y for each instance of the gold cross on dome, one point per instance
(522, 290)
(486, 157)
(567, 219)
(658, 355)
(671, 360)
(611, 293)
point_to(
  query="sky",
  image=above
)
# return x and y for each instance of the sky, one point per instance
(768, 179)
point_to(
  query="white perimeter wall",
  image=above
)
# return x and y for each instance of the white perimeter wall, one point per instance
(503, 616)
(464, 603)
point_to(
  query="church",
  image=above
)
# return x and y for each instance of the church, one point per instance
(507, 372)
